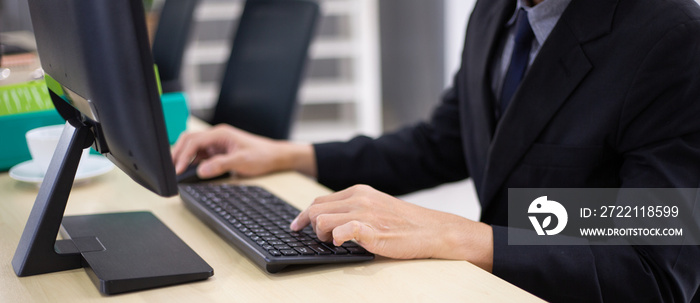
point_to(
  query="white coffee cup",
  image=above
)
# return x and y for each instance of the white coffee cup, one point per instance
(42, 143)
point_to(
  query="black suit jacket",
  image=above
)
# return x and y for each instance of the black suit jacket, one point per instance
(611, 100)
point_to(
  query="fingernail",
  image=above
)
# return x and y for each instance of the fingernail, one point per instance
(293, 226)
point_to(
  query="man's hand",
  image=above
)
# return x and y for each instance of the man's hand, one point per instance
(224, 148)
(390, 227)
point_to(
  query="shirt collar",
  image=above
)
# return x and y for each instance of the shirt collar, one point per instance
(543, 17)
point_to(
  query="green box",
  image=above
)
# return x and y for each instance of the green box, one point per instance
(16, 119)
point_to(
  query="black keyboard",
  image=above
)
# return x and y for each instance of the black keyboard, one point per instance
(257, 223)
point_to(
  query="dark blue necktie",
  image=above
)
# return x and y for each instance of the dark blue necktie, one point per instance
(518, 60)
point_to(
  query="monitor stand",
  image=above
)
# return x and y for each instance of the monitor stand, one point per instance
(121, 252)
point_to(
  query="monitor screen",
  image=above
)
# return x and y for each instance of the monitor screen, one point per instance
(96, 56)
(100, 73)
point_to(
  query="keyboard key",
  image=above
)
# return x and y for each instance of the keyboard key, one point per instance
(304, 238)
(289, 252)
(305, 250)
(320, 250)
(356, 250)
(336, 249)
(349, 244)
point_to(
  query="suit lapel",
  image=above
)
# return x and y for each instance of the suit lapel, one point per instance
(474, 80)
(560, 66)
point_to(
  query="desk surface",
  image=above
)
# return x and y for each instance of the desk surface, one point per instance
(235, 278)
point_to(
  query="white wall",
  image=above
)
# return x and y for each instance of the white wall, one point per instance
(456, 16)
(459, 197)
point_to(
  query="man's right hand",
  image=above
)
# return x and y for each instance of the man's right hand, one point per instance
(224, 148)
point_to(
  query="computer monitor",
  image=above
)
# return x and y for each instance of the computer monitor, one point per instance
(100, 73)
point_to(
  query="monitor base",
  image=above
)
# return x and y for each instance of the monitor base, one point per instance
(125, 252)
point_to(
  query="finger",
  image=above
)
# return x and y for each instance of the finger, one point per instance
(354, 230)
(215, 166)
(325, 223)
(177, 151)
(301, 221)
(310, 214)
(181, 160)
(325, 217)
(195, 146)
(177, 148)
(185, 152)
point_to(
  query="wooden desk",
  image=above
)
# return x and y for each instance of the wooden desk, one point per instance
(235, 278)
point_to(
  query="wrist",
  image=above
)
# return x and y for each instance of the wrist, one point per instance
(473, 242)
(297, 156)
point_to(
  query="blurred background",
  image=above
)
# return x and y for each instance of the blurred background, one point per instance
(374, 65)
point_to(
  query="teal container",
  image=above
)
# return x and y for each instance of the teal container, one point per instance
(176, 113)
(13, 145)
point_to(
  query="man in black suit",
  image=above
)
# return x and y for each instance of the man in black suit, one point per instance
(610, 97)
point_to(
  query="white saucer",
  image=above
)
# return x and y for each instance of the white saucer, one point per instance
(94, 166)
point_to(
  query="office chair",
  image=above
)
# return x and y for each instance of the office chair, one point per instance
(170, 40)
(264, 71)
